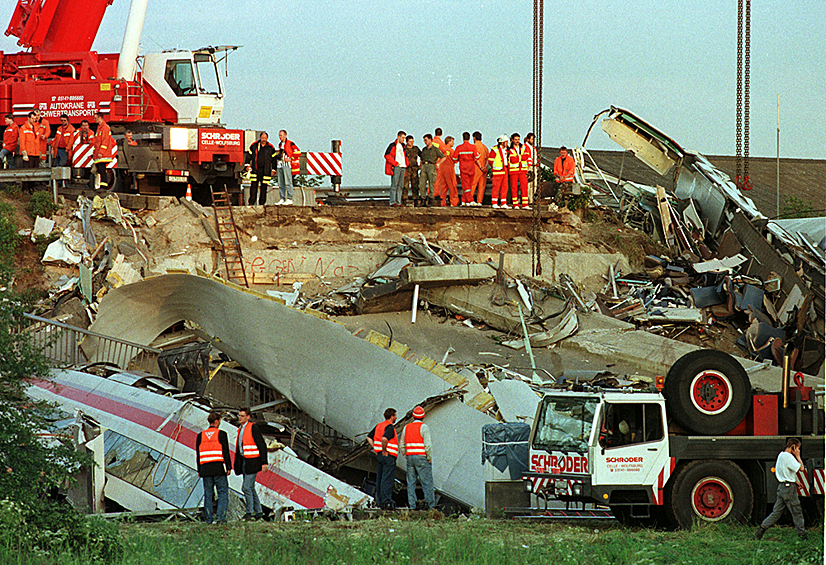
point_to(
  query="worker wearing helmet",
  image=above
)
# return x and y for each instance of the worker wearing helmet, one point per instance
(418, 449)
(518, 157)
(498, 161)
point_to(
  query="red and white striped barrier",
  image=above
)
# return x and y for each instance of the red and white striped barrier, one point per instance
(82, 156)
(324, 164)
(820, 481)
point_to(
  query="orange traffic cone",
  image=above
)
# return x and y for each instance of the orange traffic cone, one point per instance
(188, 192)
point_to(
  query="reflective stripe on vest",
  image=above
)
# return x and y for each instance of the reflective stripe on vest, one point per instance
(248, 445)
(392, 444)
(413, 440)
(517, 159)
(210, 450)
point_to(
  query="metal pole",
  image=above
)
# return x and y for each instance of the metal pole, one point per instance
(778, 155)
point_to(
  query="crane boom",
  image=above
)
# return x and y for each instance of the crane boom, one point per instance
(57, 26)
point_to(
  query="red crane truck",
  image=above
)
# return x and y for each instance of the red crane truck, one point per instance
(702, 448)
(172, 101)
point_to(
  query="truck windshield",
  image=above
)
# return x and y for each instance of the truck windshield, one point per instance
(564, 424)
(207, 74)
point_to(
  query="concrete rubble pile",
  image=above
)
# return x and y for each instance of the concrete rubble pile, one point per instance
(728, 264)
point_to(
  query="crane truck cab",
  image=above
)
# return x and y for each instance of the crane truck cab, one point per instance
(189, 81)
(703, 449)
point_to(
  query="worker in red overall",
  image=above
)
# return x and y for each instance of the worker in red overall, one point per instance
(498, 161)
(466, 155)
(518, 157)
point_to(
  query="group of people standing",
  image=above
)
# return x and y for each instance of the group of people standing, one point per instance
(428, 174)
(31, 143)
(263, 158)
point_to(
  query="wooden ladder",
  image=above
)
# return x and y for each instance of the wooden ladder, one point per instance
(228, 234)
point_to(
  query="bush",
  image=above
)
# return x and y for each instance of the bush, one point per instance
(41, 204)
(8, 241)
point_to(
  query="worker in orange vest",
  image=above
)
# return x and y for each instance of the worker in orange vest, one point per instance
(44, 130)
(214, 464)
(564, 167)
(533, 168)
(498, 161)
(418, 449)
(518, 170)
(62, 143)
(466, 155)
(104, 153)
(446, 174)
(480, 174)
(29, 143)
(385, 443)
(11, 135)
(250, 459)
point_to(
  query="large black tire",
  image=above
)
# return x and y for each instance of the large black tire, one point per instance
(709, 491)
(707, 392)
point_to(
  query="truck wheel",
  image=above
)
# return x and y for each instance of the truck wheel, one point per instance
(709, 491)
(707, 392)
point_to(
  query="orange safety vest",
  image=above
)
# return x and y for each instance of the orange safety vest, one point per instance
(498, 160)
(105, 147)
(248, 444)
(518, 159)
(28, 140)
(413, 440)
(392, 444)
(210, 449)
(294, 153)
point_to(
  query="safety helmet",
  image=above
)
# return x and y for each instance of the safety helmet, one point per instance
(418, 412)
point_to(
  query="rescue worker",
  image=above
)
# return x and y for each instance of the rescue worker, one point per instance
(480, 174)
(44, 130)
(288, 165)
(129, 138)
(466, 155)
(418, 450)
(446, 175)
(564, 167)
(437, 139)
(214, 464)
(786, 468)
(83, 136)
(11, 136)
(29, 143)
(260, 164)
(427, 180)
(62, 143)
(517, 170)
(411, 174)
(386, 447)
(530, 141)
(395, 165)
(250, 459)
(104, 153)
(498, 161)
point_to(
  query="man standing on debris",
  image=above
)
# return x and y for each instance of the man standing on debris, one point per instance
(395, 165)
(260, 164)
(446, 175)
(466, 155)
(563, 171)
(250, 459)
(411, 174)
(427, 180)
(104, 153)
(498, 160)
(418, 450)
(386, 445)
(288, 165)
(518, 170)
(786, 468)
(10, 137)
(62, 142)
(214, 464)
(480, 174)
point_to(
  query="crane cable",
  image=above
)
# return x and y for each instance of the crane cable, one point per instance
(538, 42)
(743, 67)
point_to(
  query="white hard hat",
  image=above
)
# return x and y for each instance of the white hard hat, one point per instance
(502, 138)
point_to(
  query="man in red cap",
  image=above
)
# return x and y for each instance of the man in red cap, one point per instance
(417, 447)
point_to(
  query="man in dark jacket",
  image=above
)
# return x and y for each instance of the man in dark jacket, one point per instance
(250, 459)
(260, 162)
(214, 464)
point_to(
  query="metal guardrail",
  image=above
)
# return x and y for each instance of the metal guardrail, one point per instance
(69, 346)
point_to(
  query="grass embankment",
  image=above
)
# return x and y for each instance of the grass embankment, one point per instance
(445, 542)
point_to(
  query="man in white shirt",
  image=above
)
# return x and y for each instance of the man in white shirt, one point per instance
(786, 468)
(395, 166)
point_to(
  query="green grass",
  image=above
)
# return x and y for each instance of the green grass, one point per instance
(448, 541)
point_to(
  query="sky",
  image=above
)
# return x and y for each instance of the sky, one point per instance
(360, 71)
